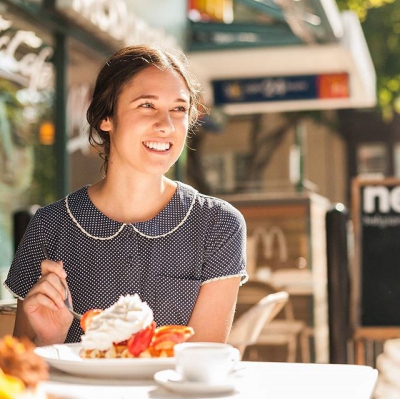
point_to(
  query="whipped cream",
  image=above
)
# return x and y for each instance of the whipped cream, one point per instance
(117, 323)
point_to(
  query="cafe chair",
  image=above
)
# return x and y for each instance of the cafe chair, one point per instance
(8, 309)
(247, 328)
(282, 331)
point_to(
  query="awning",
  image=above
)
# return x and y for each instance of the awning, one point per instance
(304, 58)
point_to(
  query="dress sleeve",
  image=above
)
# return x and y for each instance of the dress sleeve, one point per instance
(225, 252)
(25, 268)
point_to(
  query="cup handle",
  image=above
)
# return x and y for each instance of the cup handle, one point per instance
(235, 357)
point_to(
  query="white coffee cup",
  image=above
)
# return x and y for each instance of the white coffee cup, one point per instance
(207, 362)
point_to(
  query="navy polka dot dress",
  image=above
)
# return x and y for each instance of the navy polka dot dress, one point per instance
(194, 240)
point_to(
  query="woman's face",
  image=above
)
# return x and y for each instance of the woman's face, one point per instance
(149, 129)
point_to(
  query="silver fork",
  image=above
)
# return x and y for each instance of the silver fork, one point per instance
(66, 300)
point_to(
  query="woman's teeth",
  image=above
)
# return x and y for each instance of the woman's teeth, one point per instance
(157, 145)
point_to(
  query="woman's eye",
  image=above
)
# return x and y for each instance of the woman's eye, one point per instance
(181, 108)
(147, 105)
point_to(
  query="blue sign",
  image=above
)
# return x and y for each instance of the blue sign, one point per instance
(286, 88)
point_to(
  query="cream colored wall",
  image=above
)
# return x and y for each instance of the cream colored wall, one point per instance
(324, 154)
(325, 161)
(276, 175)
(235, 137)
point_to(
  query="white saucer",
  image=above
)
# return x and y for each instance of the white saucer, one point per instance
(173, 381)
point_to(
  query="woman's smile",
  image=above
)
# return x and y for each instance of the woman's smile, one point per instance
(157, 146)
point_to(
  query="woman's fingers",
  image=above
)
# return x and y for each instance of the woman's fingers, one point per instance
(48, 266)
(50, 286)
(44, 304)
(49, 291)
(36, 300)
(55, 272)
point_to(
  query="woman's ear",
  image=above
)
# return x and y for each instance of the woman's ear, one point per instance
(106, 124)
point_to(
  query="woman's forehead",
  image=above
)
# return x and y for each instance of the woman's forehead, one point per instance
(153, 80)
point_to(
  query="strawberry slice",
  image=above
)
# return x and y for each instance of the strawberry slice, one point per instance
(140, 341)
(166, 337)
(87, 318)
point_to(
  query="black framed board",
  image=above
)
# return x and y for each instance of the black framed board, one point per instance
(376, 216)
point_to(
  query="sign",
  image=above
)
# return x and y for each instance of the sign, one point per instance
(111, 20)
(214, 10)
(284, 88)
(25, 58)
(378, 239)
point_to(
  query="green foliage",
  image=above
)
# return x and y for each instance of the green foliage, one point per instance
(361, 7)
(381, 25)
(19, 138)
(44, 178)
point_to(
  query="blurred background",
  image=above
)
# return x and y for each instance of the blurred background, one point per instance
(303, 131)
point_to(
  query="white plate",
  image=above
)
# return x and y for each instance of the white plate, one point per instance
(172, 381)
(66, 358)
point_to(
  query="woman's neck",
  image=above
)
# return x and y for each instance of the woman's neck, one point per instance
(132, 200)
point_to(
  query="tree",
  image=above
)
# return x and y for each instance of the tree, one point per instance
(380, 21)
(361, 7)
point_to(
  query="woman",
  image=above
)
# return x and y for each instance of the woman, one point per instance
(135, 231)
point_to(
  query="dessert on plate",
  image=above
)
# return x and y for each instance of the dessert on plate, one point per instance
(127, 330)
(21, 370)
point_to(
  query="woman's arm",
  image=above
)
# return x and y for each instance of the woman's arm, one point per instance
(214, 310)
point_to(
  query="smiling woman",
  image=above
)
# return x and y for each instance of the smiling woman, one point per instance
(134, 231)
(148, 129)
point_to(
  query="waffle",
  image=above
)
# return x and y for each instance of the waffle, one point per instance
(121, 352)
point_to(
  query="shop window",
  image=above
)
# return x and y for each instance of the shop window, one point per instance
(396, 159)
(27, 172)
(84, 162)
(225, 172)
(372, 159)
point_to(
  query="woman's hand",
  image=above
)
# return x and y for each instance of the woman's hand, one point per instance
(44, 305)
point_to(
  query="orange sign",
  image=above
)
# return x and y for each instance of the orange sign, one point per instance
(211, 10)
(333, 86)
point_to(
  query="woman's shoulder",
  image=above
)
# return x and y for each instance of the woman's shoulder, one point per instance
(58, 208)
(209, 204)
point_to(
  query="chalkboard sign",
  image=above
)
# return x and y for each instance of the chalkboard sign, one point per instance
(377, 214)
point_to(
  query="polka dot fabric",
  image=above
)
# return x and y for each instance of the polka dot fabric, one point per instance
(194, 240)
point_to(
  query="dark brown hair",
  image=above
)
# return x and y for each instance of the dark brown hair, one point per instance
(117, 72)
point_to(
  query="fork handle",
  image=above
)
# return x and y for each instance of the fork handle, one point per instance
(66, 300)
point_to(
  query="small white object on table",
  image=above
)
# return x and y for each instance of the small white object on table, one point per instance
(256, 380)
(388, 364)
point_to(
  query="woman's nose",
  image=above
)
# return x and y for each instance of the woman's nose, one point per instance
(164, 125)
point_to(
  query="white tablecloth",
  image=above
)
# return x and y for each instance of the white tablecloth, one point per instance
(256, 380)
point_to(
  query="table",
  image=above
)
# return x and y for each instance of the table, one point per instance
(267, 380)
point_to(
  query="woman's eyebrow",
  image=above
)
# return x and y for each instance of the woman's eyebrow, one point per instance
(145, 97)
(153, 97)
(182, 100)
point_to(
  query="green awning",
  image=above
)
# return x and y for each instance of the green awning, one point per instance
(257, 23)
